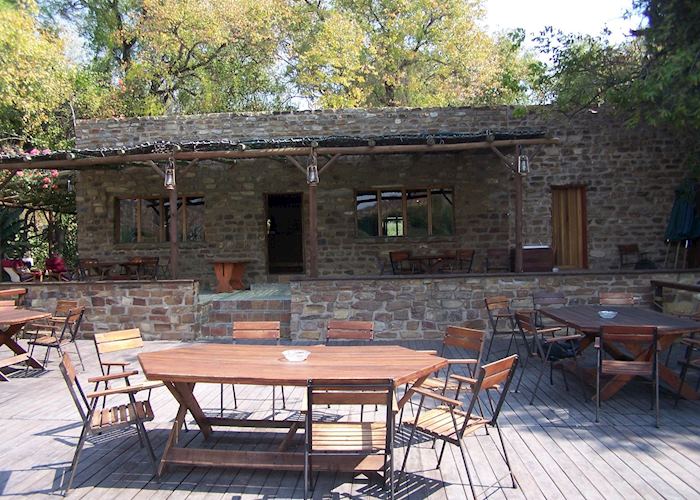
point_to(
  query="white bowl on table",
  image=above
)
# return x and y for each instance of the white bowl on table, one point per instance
(295, 355)
(607, 314)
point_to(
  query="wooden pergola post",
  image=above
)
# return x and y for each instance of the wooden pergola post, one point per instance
(312, 181)
(172, 229)
(518, 214)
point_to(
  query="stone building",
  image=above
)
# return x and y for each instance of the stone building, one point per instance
(602, 185)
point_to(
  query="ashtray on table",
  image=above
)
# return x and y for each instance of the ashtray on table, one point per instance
(295, 355)
(607, 314)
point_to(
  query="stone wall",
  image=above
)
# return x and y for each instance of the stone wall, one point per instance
(421, 308)
(629, 174)
(163, 310)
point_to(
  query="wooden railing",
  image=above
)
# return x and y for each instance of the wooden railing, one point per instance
(658, 291)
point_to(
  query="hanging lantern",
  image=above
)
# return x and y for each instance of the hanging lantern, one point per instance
(169, 180)
(312, 170)
(523, 165)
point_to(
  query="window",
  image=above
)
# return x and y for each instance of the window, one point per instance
(146, 220)
(399, 212)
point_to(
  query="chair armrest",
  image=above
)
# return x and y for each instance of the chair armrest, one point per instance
(113, 376)
(462, 361)
(462, 378)
(552, 329)
(127, 389)
(428, 351)
(563, 338)
(439, 397)
(691, 342)
(597, 343)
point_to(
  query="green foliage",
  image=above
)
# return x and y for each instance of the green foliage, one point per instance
(34, 82)
(13, 236)
(402, 53)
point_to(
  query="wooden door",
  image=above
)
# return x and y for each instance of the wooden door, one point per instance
(285, 251)
(569, 227)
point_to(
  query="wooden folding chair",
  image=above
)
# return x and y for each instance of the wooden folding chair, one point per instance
(99, 421)
(615, 299)
(644, 340)
(451, 421)
(255, 331)
(546, 298)
(691, 361)
(120, 341)
(58, 330)
(400, 263)
(369, 441)
(550, 348)
(501, 320)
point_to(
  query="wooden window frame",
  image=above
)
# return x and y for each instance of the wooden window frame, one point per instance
(404, 209)
(162, 222)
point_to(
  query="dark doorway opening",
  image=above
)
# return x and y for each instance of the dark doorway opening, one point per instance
(285, 242)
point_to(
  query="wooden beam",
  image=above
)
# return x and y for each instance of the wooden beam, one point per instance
(294, 162)
(504, 158)
(6, 181)
(518, 218)
(313, 232)
(92, 162)
(329, 163)
(157, 168)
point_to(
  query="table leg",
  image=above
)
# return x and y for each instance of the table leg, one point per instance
(6, 338)
(173, 438)
(183, 393)
(236, 280)
(404, 399)
(224, 273)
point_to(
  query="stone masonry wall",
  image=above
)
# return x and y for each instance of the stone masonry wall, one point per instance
(163, 310)
(629, 175)
(421, 308)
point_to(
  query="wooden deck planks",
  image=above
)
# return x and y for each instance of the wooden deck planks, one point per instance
(555, 448)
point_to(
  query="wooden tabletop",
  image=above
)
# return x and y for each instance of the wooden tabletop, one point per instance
(265, 365)
(585, 318)
(10, 316)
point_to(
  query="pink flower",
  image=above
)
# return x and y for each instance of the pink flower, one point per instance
(20, 173)
(55, 186)
(45, 151)
(46, 180)
(34, 151)
(54, 173)
(45, 186)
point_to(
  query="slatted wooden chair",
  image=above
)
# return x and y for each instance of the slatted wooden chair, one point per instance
(90, 270)
(100, 421)
(615, 299)
(400, 263)
(546, 298)
(119, 342)
(451, 421)
(691, 361)
(501, 320)
(7, 303)
(57, 331)
(252, 332)
(551, 345)
(644, 340)
(370, 442)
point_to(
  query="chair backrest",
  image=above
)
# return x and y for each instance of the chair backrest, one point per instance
(7, 303)
(615, 299)
(87, 268)
(497, 259)
(497, 304)
(397, 260)
(465, 259)
(494, 378)
(352, 392)
(149, 268)
(256, 330)
(629, 254)
(71, 379)
(350, 330)
(464, 338)
(526, 322)
(64, 307)
(545, 298)
(115, 341)
(644, 336)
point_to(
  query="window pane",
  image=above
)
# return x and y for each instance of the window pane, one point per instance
(417, 213)
(392, 213)
(443, 211)
(150, 220)
(367, 215)
(127, 221)
(195, 219)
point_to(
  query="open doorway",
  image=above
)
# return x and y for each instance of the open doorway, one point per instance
(285, 241)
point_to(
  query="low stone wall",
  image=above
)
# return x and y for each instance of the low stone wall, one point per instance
(415, 307)
(163, 310)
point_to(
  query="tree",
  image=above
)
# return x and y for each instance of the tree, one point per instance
(348, 53)
(35, 82)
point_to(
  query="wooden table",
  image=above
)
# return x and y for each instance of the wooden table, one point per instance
(13, 292)
(229, 274)
(431, 264)
(180, 369)
(585, 319)
(14, 320)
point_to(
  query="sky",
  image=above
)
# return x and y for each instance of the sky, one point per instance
(571, 16)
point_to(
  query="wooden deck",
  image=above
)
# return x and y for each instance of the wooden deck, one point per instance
(556, 449)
